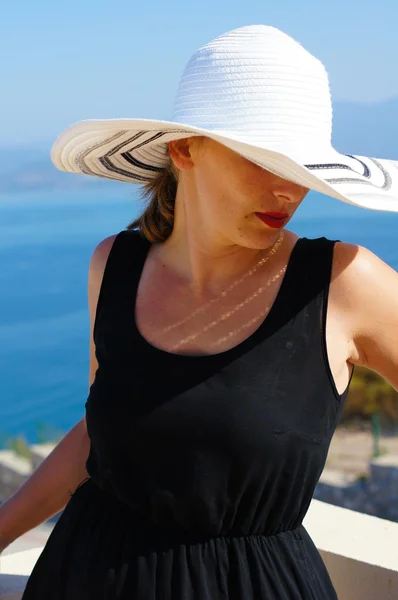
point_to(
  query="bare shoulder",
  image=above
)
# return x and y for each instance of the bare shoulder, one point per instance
(364, 295)
(357, 272)
(100, 255)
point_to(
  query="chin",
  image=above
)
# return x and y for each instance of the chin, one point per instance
(258, 240)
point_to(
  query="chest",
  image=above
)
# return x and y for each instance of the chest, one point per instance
(171, 318)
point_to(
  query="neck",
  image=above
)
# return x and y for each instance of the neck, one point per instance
(200, 256)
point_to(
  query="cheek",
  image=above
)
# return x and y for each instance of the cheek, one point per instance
(232, 205)
(226, 192)
(218, 198)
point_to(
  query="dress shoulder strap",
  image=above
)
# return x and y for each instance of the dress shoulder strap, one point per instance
(122, 268)
(310, 275)
(317, 261)
(303, 310)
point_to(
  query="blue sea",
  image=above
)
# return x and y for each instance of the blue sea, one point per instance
(46, 241)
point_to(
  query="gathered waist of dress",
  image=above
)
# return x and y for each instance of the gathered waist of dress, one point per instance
(147, 536)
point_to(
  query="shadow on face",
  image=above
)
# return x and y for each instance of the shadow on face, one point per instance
(224, 192)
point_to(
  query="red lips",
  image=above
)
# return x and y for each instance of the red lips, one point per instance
(273, 219)
(275, 215)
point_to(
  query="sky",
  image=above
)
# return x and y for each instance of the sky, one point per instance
(61, 62)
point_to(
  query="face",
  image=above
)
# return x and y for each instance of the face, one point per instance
(228, 194)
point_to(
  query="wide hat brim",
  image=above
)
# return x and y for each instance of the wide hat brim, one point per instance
(135, 151)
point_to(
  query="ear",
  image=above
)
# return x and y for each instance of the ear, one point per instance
(180, 154)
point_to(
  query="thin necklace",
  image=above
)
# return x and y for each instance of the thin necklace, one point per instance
(201, 309)
(242, 327)
(228, 314)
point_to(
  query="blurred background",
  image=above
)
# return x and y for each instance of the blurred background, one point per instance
(64, 62)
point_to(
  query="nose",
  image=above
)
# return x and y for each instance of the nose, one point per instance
(288, 191)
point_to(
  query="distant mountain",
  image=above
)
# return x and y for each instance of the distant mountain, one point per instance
(367, 129)
(39, 174)
(364, 129)
(13, 158)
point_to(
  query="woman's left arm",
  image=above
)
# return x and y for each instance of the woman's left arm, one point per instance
(366, 294)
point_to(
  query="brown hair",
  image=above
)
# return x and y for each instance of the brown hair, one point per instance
(157, 221)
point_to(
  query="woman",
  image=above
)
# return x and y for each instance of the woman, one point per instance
(223, 344)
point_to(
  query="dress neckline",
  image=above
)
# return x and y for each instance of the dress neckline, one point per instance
(245, 344)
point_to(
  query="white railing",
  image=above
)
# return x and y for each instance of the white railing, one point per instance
(360, 552)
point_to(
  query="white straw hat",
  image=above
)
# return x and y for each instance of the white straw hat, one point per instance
(256, 91)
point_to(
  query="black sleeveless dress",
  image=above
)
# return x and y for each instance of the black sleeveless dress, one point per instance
(201, 468)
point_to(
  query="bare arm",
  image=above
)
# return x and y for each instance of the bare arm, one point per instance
(47, 491)
(368, 302)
